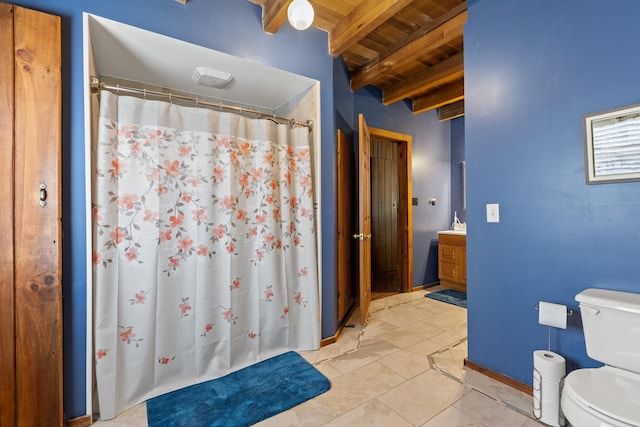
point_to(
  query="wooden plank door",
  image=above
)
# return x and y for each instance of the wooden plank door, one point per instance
(7, 275)
(33, 196)
(345, 225)
(364, 216)
(404, 206)
(384, 214)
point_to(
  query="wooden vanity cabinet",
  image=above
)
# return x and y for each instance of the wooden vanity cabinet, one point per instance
(452, 261)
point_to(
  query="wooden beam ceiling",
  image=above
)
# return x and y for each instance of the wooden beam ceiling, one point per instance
(443, 30)
(274, 14)
(438, 97)
(364, 18)
(409, 49)
(445, 72)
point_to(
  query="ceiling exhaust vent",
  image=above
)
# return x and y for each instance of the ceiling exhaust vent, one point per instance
(212, 78)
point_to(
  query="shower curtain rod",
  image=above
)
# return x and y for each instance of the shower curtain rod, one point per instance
(97, 85)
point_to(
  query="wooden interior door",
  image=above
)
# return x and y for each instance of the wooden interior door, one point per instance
(30, 220)
(384, 216)
(345, 225)
(364, 216)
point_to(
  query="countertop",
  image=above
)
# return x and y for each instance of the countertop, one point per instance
(454, 232)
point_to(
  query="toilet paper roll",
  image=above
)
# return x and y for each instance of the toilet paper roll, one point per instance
(549, 369)
(551, 314)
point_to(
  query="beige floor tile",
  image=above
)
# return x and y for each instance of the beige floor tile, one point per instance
(489, 411)
(463, 346)
(357, 387)
(413, 296)
(349, 337)
(405, 297)
(372, 414)
(435, 307)
(521, 401)
(453, 417)
(377, 305)
(365, 355)
(406, 363)
(449, 320)
(404, 315)
(426, 347)
(376, 325)
(435, 391)
(449, 337)
(309, 414)
(450, 361)
(134, 416)
(325, 353)
(448, 366)
(327, 370)
(531, 423)
(515, 398)
(481, 382)
(410, 335)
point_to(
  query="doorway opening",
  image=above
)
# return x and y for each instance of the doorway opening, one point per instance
(390, 225)
(354, 212)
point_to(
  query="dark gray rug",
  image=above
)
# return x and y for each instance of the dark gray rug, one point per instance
(449, 296)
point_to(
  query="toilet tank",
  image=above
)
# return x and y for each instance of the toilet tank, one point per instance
(611, 323)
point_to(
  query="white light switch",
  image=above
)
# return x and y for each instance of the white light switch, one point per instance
(493, 212)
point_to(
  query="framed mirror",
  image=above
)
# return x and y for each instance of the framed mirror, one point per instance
(612, 145)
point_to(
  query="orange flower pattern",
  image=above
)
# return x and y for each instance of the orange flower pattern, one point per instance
(177, 199)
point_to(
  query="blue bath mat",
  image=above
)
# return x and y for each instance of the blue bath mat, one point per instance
(241, 398)
(449, 296)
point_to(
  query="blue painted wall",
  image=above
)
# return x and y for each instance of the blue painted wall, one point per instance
(532, 70)
(229, 26)
(457, 157)
(431, 170)
(343, 99)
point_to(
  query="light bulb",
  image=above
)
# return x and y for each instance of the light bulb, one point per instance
(300, 14)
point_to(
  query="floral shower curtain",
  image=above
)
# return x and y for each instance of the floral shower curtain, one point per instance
(204, 246)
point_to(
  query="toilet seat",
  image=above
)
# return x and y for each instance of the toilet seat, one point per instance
(604, 396)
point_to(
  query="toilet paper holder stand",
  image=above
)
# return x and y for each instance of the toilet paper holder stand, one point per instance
(569, 313)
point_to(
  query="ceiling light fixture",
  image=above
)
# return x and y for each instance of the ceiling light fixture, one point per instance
(300, 14)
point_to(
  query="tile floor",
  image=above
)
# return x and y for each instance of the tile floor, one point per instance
(404, 368)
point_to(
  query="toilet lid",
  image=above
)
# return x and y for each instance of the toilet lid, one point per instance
(609, 391)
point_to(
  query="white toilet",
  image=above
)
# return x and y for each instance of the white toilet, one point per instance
(610, 395)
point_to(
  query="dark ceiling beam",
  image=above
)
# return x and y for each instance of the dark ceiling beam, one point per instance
(442, 73)
(441, 31)
(363, 19)
(274, 14)
(451, 111)
(438, 97)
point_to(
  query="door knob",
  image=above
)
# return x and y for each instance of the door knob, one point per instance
(362, 236)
